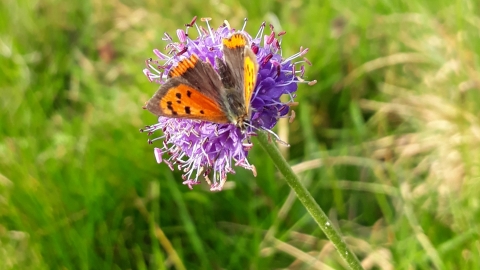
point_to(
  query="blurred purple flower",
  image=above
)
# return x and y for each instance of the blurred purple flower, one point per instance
(201, 148)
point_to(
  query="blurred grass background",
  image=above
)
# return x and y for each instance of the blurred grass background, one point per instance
(387, 141)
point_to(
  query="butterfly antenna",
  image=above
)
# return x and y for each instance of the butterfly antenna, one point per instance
(244, 24)
(277, 139)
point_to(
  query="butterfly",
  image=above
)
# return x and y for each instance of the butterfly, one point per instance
(194, 90)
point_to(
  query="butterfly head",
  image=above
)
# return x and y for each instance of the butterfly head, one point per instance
(241, 122)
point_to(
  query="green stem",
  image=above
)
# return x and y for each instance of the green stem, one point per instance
(307, 200)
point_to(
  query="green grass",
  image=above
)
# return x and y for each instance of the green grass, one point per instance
(387, 141)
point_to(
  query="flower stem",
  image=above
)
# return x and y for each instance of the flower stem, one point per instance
(307, 200)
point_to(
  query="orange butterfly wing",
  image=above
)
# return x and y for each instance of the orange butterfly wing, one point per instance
(192, 92)
(250, 71)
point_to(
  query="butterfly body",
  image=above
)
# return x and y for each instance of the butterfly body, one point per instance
(195, 90)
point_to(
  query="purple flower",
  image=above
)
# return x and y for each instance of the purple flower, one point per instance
(205, 149)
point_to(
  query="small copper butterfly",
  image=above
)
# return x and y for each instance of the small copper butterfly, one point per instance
(194, 90)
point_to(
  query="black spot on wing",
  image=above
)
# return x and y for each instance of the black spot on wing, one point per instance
(170, 107)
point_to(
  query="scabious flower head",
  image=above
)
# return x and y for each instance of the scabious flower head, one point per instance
(209, 150)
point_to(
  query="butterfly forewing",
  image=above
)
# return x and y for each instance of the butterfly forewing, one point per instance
(250, 70)
(234, 53)
(199, 74)
(192, 92)
(242, 67)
